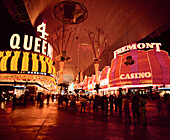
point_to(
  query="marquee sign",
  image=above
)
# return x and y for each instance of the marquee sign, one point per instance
(42, 79)
(38, 45)
(139, 46)
(26, 62)
(136, 75)
(139, 66)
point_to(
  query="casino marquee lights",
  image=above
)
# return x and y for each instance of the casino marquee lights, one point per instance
(26, 62)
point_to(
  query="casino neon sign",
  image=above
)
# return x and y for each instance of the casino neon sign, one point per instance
(38, 45)
(139, 46)
(135, 75)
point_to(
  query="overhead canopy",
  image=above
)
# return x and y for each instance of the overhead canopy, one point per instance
(125, 22)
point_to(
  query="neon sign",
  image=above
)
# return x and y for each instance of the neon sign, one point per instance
(39, 45)
(135, 75)
(139, 46)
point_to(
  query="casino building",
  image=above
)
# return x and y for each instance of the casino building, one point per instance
(27, 69)
(138, 67)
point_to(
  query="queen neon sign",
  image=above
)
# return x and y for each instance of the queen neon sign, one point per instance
(139, 46)
(39, 45)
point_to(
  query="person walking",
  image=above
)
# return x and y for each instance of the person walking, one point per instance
(95, 103)
(119, 103)
(83, 104)
(115, 102)
(143, 110)
(135, 107)
(66, 99)
(159, 104)
(41, 99)
(48, 98)
(126, 104)
(105, 105)
(102, 103)
(111, 103)
(60, 100)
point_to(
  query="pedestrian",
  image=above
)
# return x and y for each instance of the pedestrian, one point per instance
(126, 104)
(95, 103)
(38, 98)
(102, 103)
(25, 99)
(105, 105)
(41, 99)
(159, 104)
(48, 98)
(119, 103)
(115, 102)
(73, 105)
(135, 107)
(66, 101)
(83, 104)
(60, 100)
(14, 100)
(111, 102)
(143, 110)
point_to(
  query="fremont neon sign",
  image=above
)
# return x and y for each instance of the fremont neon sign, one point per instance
(139, 46)
(135, 75)
(39, 45)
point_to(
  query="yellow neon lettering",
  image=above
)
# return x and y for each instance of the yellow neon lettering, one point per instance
(121, 76)
(132, 75)
(127, 76)
(148, 74)
(142, 75)
(136, 75)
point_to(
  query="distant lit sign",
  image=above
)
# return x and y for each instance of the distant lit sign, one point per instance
(139, 46)
(11, 91)
(136, 75)
(104, 82)
(39, 45)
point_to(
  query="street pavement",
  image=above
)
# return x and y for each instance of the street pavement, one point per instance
(50, 122)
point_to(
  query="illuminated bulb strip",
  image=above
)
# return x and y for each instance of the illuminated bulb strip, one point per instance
(34, 62)
(1, 55)
(14, 61)
(25, 61)
(4, 61)
(43, 64)
(49, 63)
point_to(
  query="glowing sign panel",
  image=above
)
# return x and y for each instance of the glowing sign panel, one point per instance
(136, 75)
(36, 44)
(139, 46)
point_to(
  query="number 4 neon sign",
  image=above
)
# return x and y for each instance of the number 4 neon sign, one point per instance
(41, 28)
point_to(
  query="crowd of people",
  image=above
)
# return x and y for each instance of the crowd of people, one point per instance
(105, 103)
(124, 103)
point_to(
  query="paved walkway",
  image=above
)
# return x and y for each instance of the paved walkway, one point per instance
(53, 123)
